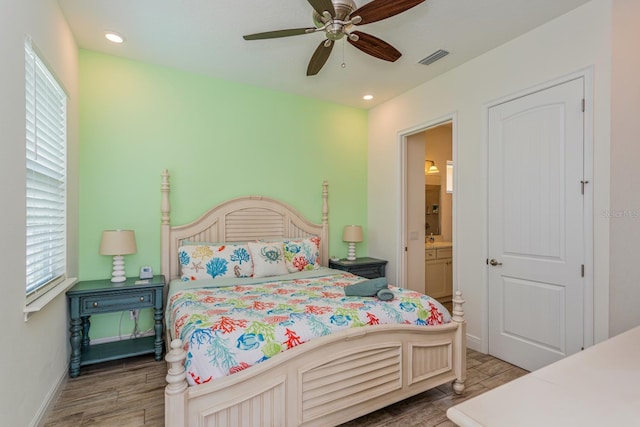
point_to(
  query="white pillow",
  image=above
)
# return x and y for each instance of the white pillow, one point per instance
(268, 259)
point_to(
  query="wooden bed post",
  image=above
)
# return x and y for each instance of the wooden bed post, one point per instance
(458, 312)
(165, 260)
(325, 224)
(175, 393)
(460, 359)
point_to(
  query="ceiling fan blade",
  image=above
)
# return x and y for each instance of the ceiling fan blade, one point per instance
(319, 57)
(279, 33)
(322, 5)
(375, 47)
(378, 10)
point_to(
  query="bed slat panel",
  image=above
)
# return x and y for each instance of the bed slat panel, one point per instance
(430, 360)
(208, 235)
(349, 380)
(253, 224)
(295, 231)
(263, 409)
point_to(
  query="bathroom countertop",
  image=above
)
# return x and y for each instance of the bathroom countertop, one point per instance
(438, 245)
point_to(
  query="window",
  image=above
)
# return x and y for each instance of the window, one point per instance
(46, 143)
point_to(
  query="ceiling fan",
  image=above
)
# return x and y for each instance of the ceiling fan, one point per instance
(337, 18)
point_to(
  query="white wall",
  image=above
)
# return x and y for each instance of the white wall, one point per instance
(415, 154)
(34, 354)
(439, 149)
(625, 155)
(579, 39)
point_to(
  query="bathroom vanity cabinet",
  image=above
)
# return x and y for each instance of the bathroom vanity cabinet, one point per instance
(439, 273)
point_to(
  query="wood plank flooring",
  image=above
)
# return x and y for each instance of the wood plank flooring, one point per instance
(130, 393)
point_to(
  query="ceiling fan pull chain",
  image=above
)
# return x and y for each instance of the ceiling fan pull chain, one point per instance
(344, 64)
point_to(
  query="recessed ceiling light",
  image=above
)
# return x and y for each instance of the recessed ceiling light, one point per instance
(367, 97)
(114, 37)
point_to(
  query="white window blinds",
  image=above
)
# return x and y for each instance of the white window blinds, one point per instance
(46, 139)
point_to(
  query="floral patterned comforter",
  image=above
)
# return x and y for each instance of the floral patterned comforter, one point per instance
(228, 328)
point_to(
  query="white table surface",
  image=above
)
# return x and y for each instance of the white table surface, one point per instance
(599, 386)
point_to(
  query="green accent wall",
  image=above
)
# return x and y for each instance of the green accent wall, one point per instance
(219, 140)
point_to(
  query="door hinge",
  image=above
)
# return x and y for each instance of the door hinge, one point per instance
(582, 184)
(582, 270)
(583, 105)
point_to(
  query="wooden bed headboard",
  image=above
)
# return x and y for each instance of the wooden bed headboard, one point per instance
(238, 220)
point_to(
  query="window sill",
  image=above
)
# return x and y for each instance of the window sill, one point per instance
(39, 303)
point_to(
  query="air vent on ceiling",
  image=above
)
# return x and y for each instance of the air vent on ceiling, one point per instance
(438, 54)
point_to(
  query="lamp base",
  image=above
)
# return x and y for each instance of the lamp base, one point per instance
(117, 275)
(351, 254)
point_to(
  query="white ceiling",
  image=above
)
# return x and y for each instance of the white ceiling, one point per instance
(205, 37)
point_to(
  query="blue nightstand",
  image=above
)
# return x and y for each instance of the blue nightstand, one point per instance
(102, 296)
(370, 268)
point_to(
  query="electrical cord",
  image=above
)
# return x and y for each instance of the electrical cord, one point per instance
(120, 327)
(136, 332)
(135, 314)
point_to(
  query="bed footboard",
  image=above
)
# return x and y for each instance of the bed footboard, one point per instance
(326, 381)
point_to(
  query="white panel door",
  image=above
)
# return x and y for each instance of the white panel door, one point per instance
(536, 235)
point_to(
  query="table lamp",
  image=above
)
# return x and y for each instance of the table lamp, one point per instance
(118, 243)
(352, 234)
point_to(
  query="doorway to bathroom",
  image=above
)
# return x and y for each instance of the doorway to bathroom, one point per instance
(428, 209)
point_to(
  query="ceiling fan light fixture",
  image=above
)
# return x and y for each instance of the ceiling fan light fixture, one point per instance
(337, 18)
(114, 37)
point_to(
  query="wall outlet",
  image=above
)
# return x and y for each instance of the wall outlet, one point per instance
(133, 314)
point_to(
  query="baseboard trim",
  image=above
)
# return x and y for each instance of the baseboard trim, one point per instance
(50, 400)
(474, 343)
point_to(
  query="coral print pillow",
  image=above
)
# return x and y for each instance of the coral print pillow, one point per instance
(302, 254)
(268, 259)
(207, 262)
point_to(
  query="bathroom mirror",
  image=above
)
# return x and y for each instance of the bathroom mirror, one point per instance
(432, 210)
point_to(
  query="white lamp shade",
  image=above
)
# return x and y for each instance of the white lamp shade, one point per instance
(352, 233)
(118, 242)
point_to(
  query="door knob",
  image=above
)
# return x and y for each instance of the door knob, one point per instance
(494, 262)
